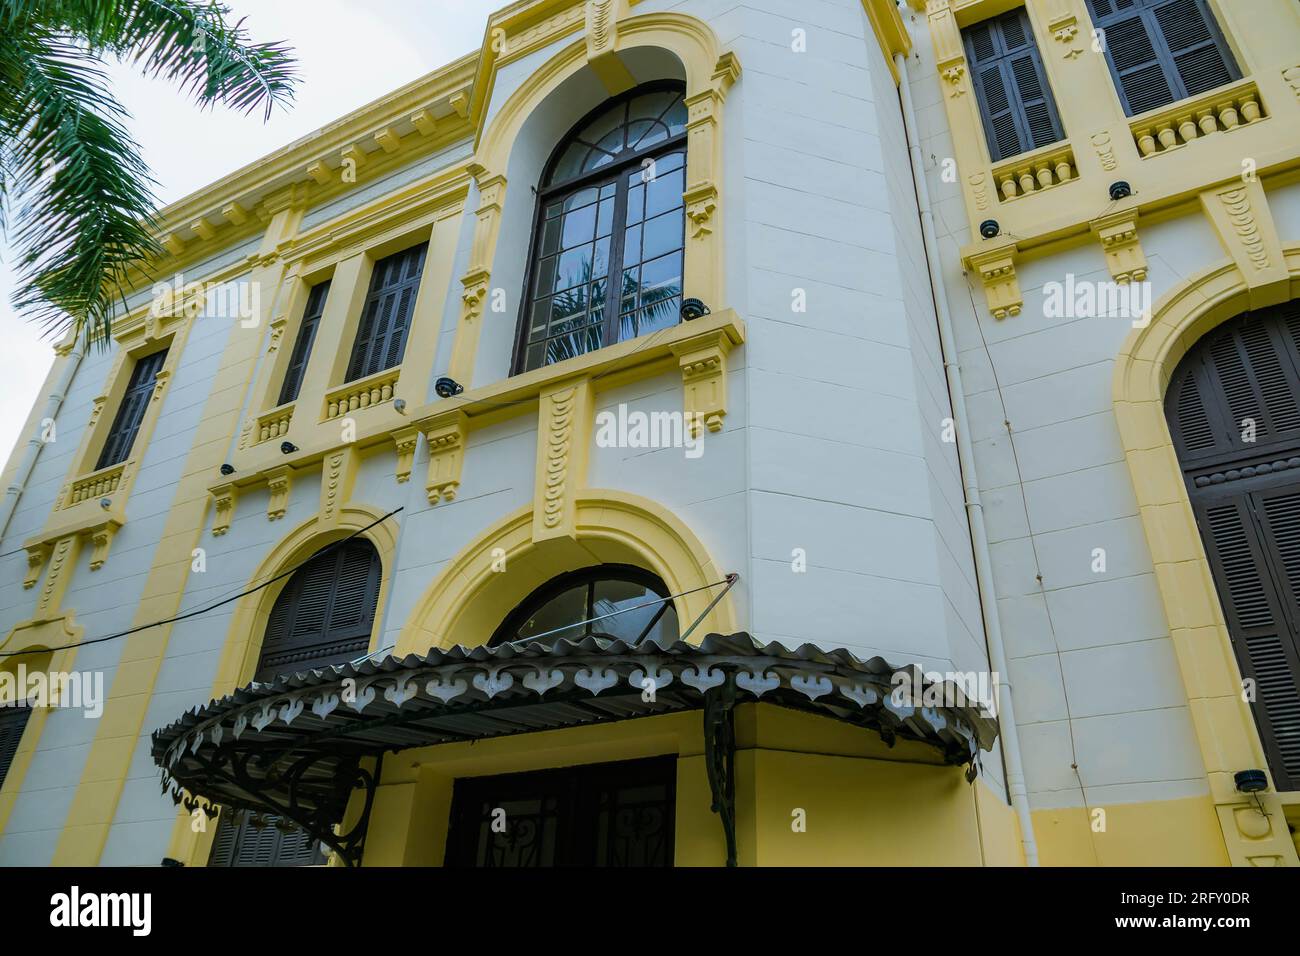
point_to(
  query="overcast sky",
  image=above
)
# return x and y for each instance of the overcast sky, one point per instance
(349, 53)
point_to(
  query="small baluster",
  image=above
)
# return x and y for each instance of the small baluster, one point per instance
(1207, 122)
(1008, 188)
(1187, 129)
(1250, 109)
(1168, 138)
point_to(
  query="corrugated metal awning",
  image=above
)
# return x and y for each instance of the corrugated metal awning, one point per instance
(294, 747)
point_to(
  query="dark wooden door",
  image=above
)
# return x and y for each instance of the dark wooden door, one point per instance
(614, 814)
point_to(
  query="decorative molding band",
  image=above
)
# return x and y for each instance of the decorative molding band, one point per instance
(446, 439)
(225, 498)
(704, 380)
(279, 481)
(1249, 471)
(563, 434)
(338, 472)
(1118, 236)
(63, 556)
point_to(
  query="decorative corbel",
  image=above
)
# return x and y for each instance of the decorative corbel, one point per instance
(424, 122)
(173, 243)
(404, 442)
(701, 200)
(459, 103)
(278, 482)
(1118, 236)
(277, 332)
(725, 73)
(704, 380)
(389, 140)
(446, 438)
(355, 154)
(234, 213)
(319, 172)
(37, 555)
(1063, 25)
(474, 293)
(225, 497)
(995, 261)
(160, 383)
(101, 538)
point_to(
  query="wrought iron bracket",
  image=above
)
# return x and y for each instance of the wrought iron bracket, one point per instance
(720, 755)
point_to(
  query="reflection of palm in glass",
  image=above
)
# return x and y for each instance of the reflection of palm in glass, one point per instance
(585, 304)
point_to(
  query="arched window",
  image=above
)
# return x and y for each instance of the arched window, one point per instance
(591, 593)
(323, 616)
(1233, 408)
(606, 259)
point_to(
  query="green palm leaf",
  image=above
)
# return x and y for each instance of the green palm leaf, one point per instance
(75, 197)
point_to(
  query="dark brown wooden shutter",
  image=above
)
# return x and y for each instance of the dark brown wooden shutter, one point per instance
(325, 613)
(1010, 85)
(13, 721)
(386, 314)
(121, 436)
(1246, 498)
(1162, 51)
(239, 843)
(323, 616)
(302, 345)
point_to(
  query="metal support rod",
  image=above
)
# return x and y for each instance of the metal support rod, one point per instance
(720, 755)
(731, 579)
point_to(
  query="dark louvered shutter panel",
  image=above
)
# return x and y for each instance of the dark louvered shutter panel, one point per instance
(325, 613)
(1162, 51)
(13, 721)
(121, 436)
(1017, 106)
(239, 843)
(302, 345)
(1246, 497)
(386, 314)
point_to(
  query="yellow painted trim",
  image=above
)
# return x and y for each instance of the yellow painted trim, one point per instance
(35, 638)
(243, 644)
(470, 597)
(1225, 730)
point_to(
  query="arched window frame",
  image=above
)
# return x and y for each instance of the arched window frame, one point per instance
(616, 171)
(557, 586)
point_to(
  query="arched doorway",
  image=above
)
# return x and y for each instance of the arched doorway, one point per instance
(1233, 408)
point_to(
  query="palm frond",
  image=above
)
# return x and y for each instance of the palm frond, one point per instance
(85, 193)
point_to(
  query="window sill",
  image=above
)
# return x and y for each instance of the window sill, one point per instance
(1224, 109)
(1034, 171)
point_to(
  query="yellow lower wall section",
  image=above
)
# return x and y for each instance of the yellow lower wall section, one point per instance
(1160, 833)
(809, 792)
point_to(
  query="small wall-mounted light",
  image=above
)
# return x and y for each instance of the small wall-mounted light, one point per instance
(399, 405)
(447, 387)
(288, 447)
(171, 861)
(227, 469)
(989, 228)
(106, 503)
(1119, 189)
(693, 309)
(1250, 781)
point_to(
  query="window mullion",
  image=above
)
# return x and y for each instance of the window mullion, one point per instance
(614, 281)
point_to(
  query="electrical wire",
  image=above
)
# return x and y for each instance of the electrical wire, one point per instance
(219, 602)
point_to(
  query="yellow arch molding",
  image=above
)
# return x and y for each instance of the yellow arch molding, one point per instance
(503, 565)
(31, 642)
(243, 642)
(1225, 730)
(709, 74)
